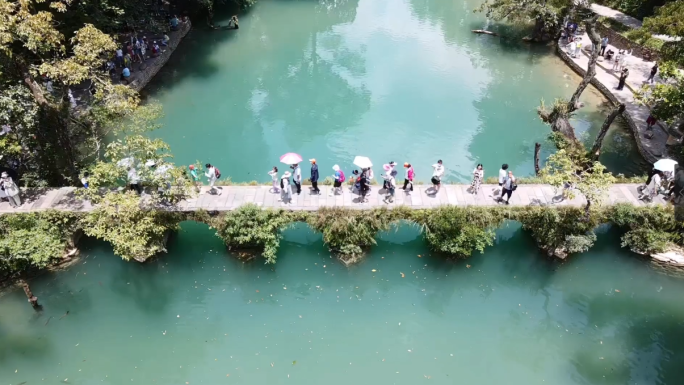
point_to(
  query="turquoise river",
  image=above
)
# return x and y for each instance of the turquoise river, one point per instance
(393, 80)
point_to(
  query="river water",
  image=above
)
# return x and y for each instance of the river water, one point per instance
(402, 316)
(390, 79)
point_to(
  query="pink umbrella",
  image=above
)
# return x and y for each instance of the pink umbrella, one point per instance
(291, 158)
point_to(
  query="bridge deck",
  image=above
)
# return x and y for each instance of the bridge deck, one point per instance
(235, 196)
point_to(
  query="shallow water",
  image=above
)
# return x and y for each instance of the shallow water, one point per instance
(200, 316)
(392, 80)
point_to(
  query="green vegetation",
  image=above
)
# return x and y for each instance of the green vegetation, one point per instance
(546, 16)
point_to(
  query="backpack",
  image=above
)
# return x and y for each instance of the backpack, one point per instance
(411, 174)
(342, 178)
(217, 172)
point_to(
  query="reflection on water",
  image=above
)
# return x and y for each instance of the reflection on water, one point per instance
(198, 315)
(393, 80)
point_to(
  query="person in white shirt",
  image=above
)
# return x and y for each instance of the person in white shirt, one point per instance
(133, 180)
(119, 57)
(502, 175)
(652, 188)
(285, 188)
(391, 186)
(211, 175)
(274, 175)
(437, 176)
(297, 177)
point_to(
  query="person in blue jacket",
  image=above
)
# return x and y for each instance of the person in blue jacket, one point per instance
(314, 177)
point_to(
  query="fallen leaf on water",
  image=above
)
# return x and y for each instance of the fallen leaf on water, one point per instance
(617, 291)
(271, 364)
(257, 291)
(227, 375)
(373, 270)
(468, 266)
(402, 275)
(294, 362)
(420, 256)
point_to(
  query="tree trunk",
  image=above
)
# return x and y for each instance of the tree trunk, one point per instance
(590, 25)
(33, 300)
(596, 148)
(35, 90)
(537, 147)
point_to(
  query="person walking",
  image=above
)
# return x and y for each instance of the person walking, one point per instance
(274, 177)
(478, 177)
(11, 189)
(212, 174)
(408, 179)
(285, 188)
(502, 176)
(654, 71)
(364, 184)
(84, 180)
(194, 178)
(437, 173)
(578, 48)
(616, 60)
(133, 180)
(508, 187)
(604, 45)
(572, 48)
(623, 79)
(391, 187)
(339, 178)
(297, 172)
(119, 57)
(652, 186)
(314, 177)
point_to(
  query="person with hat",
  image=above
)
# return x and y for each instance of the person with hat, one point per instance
(314, 177)
(339, 178)
(285, 188)
(391, 186)
(408, 179)
(194, 177)
(11, 189)
(388, 171)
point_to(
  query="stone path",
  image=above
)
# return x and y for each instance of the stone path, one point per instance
(234, 196)
(639, 70)
(626, 20)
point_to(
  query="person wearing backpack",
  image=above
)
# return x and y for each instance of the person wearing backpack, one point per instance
(339, 179)
(508, 187)
(213, 174)
(409, 177)
(285, 188)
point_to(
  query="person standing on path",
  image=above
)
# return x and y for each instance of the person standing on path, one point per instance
(502, 176)
(364, 183)
(314, 177)
(212, 174)
(11, 189)
(623, 79)
(437, 173)
(195, 178)
(616, 60)
(297, 172)
(478, 177)
(508, 187)
(408, 179)
(133, 180)
(654, 71)
(604, 44)
(285, 188)
(339, 178)
(391, 187)
(274, 176)
(573, 47)
(84, 180)
(578, 48)
(119, 57)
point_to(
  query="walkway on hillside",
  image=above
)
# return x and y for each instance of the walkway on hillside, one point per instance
(626, 20)
(639, 70)
(235, 196)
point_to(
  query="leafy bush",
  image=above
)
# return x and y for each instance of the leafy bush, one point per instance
(250, 227)
(460, 230)
(559, 230)
(648, 229)
(34, 239)
(134, 232)
(347, 232)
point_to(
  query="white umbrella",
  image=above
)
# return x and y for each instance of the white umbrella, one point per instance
(363, 162)
(126, 162)
(161, 170)
(665, 165)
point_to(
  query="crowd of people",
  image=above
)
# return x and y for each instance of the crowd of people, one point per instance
(362, 180)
